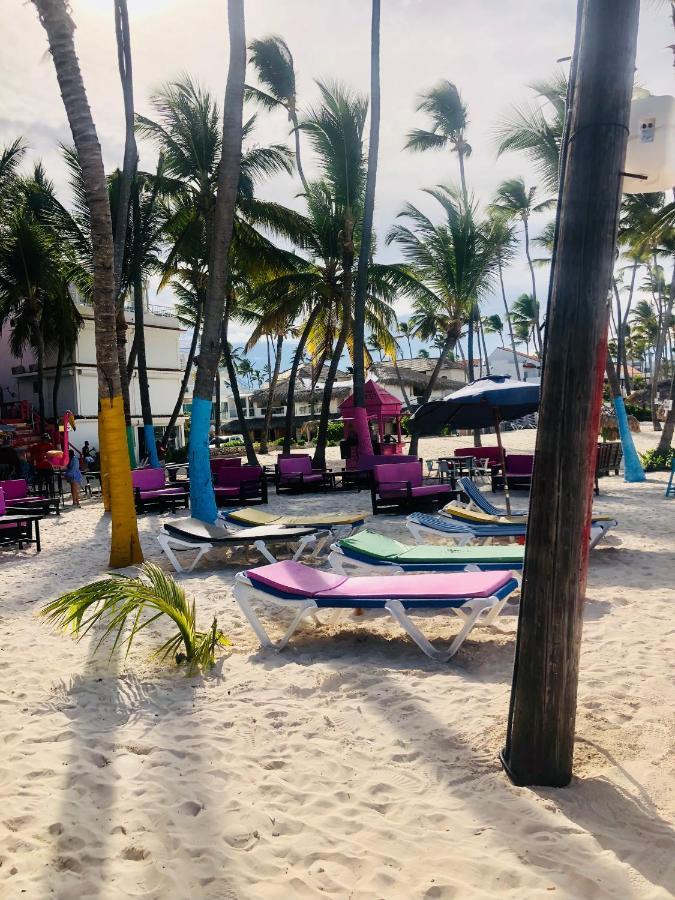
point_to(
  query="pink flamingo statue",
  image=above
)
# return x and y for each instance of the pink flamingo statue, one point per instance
(61, 458)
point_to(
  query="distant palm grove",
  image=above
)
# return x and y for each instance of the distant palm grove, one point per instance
(289, 276)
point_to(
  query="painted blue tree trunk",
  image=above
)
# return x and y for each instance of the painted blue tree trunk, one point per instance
(151, 445)
(632, 467)
(202, 497)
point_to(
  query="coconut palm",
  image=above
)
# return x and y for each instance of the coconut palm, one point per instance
(112, 603)
(54, 17)
(525, 318)
(406, 331)
(452, 265)
(10, 160)
(273, 62)
(536, 130)
(503, 239)
(449, 119)
(515, 201)
(365, 251)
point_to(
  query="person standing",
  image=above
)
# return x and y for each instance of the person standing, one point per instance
(73, 476)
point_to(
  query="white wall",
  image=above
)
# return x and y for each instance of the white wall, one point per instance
(501, 363)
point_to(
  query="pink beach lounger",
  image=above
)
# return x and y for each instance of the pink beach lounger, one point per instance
(472, 596)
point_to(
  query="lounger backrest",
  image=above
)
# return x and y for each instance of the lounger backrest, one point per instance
(301, 465)
(148, 479)
(474, 494)
(15, 488)
(231, 477)
(519, 464)
(388, 473)
(3, 508)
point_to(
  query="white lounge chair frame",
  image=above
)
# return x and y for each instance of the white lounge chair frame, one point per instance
(169, 543)
(422, 533)
(483, 610)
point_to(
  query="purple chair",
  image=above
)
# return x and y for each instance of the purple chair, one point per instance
(16, 529)
(17, 498)
(243, 484)
(151, 490)
(402, 485)
(519, 468)
(295, 473)
(224, 462)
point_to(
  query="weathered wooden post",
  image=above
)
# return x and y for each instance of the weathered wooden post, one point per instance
(540, 739)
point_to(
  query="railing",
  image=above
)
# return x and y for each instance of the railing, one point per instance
(169, 312)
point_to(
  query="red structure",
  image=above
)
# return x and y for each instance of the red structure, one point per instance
(383, 409)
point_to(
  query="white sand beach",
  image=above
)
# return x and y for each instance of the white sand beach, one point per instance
(350, 766)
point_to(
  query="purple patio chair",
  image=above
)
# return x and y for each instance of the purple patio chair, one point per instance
(402, 485)
(244, 484)
(519, 468)
(295, 473)
(18, 499)
(150, 490)
(16, 529)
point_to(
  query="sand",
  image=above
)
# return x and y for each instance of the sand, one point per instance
(350, 766)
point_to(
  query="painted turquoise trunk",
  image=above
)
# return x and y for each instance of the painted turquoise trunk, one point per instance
(202, 497)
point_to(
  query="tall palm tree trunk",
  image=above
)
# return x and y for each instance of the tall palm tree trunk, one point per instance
(184, 381)
(270, 397)
(507, 312)
(292, 115)
(122, 218)
(631, 461)
(143, 385)
(236, 396)
(462, 176)
(666, 312)
(58, 372)
(201, 487)
(624, 327)
(450, 343)
(125, 546)
(365, 445)
(401, 386)
(40, 354)
(485, 353)
(666, 439)
(319, 458)
(293, 374)
(470, 365)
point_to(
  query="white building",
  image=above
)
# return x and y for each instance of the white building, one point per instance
(502, 363)
(79, 381)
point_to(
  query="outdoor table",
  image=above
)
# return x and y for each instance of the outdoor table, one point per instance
(172, 470)
(460, 465)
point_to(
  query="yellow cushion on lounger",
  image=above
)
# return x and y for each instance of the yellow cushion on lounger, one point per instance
(257, 517)
(481, 518)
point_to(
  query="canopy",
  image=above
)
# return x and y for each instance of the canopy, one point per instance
(478, 405)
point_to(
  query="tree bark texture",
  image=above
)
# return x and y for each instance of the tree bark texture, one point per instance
(540, 739)
(125, 545)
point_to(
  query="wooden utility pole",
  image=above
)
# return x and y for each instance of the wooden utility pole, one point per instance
(540, 739)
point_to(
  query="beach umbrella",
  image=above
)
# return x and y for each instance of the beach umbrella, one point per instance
(484, 403)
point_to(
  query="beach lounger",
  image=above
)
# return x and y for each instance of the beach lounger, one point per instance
(19, 528)
(340, 524)
(472, 596)
(478, 500)
(477, 517)
(368, 551)
(422, 526)
(192, 534)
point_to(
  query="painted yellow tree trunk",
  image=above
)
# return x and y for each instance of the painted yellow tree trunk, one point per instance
(125, 547)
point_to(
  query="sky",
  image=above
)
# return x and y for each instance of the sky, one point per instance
(489, 48)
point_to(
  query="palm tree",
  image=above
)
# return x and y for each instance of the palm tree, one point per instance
(54, 17)
(365, 250)
(335, 130)
(10, 159)
(451, 266)
(273, 62)
(406, 331)
(537, 130)
(503, 239)
(514, 200)
(525, 317)
(449, 119)
(219, 231)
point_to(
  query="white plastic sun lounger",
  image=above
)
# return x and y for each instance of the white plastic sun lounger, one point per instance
(472, 596)
(194, 535)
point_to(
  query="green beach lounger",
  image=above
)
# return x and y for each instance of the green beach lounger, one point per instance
(368, 550)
